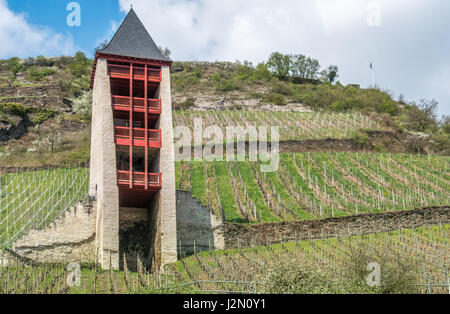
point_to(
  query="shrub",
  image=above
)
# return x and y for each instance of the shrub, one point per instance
(197, 73)
(361, 139)
(275, 98)
(80, 65)
(421, 117)
(43, 116)
(14, 108)
(36, 74)
(15, 66)
(398, 274)
(227, 85)
(43, 61)
(282, 88)
(82, 105)
(295, 277)
(262, 73)
(188, 103)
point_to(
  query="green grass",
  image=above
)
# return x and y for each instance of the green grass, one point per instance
(321, 185)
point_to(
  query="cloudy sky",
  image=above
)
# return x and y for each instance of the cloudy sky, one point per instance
(407, 40)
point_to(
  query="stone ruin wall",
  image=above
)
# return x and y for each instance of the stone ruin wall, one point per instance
(72, 236)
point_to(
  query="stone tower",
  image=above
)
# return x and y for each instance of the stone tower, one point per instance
(132, 153)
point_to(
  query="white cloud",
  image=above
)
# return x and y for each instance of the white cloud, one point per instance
(409, 49)
(19, 38)
(109, 34)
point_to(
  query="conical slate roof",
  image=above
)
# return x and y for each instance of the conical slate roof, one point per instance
(133, 40)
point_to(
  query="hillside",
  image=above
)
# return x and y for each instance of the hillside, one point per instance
(412, 262)
(317, 185)
(344, 150)
(352, 161)
(45, 110)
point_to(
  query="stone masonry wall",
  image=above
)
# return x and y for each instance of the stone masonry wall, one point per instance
(70, 237)
(197, 226)
(265, 234)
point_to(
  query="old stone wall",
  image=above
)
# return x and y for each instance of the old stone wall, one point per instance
(49, 90)
(265, 234)
(197, 226)
(70, 237)
(43, 102)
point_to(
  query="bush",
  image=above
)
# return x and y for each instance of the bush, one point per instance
(282, 88)
(227, 85)
(262, 73)
(36, 74)
(44, 62)
(80, 65)
(43, 116)
(275, 98)
(295, 277)
(187, 104)
(14, 108)
(82, 105)
(361, 139)
(421, 117)
(398, 274)
(16, 66)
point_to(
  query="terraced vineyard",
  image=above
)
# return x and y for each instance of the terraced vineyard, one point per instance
(33, 199)
(317, 185)
(293, 125)
(425, 250)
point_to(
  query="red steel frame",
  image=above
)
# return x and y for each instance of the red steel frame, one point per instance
(131, 125)
(137, 137)
(136, 186)
(140, 136)
(116, 58)
(151, 180)
(121, 74)
(121, 103)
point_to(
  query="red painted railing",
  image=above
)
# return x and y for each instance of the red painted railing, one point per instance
(123, 71)
(123, 137)
(154, 179)
(123, 102)
(153, 135)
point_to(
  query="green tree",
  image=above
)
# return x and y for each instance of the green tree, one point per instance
(165, 51)
(280, 65)
(422, 117)
(15, 66)
(312, 68)
(304, 67)
(262, 73)
(330, 74)
(80, 65)
(445, 124)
